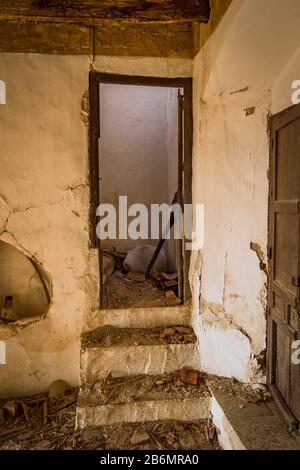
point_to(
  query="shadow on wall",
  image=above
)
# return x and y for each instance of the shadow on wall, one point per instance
(24, 286)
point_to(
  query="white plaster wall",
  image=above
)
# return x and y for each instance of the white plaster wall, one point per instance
(247, 64)
(44, 196)
(44, 203)
(133, 148)
(44, 210)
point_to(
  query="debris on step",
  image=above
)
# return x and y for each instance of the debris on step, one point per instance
(166, 281)
(172, 298)
(159, 435)
(90, 434)
(183, 329)
(180, 385)
(168, 332)
(133, 290)
(139, 436)
(59, 432)
(189, 377)
(171, 285)
(186, 440)
(136, 277)
(247, 393)
(108, 335)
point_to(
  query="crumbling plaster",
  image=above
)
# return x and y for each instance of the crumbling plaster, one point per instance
(44, 211)
(44, 203)
(44, 197)
(240, 77)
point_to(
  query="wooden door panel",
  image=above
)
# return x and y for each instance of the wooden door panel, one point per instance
(282, 362)
(287, 163)
(286, 246)
(284, 262)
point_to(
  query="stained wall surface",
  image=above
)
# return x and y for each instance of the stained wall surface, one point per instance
(243, 74)
(44, 203)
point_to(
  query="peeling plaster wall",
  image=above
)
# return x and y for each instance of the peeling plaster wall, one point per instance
(241, 75)
(44, 203)
(44, 210)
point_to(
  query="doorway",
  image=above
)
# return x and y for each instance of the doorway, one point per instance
(140, 154)
(284, 263)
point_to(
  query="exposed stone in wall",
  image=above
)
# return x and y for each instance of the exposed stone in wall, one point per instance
(261, 256)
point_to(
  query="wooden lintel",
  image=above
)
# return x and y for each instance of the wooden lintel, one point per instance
(118, 39)
(91, 12)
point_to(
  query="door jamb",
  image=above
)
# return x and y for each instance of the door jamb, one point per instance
(95, 79)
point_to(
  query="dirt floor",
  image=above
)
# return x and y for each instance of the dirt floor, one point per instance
(107, 336)
(132, 290)
(37, 426)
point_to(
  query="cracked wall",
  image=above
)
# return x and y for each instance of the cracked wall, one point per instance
(44, 211)
(239, 78)
(44, 196)
(44, 203)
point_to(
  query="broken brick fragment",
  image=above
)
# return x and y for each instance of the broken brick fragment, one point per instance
(188, 376)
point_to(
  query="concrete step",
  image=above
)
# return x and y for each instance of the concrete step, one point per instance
(142, 398)
(141, 317)
(134, 351)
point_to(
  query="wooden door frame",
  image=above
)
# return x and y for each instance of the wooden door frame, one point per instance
(97, 78)
(276, 122)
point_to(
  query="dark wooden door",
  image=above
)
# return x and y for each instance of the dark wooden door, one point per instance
(284, 263)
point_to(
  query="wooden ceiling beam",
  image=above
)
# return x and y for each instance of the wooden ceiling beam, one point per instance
(93, 12)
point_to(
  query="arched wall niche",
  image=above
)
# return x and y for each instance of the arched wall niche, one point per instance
(25, 287)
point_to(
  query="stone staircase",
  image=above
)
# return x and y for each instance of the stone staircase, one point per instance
(128, 363)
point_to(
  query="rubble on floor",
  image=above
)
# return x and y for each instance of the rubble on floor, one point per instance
(43, 423)
(250, 393)
(38, 422)
(132, 289)
(124, 291)
(108, 335)
(158, 435)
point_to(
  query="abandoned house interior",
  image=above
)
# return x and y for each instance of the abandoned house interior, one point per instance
(115, 333)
